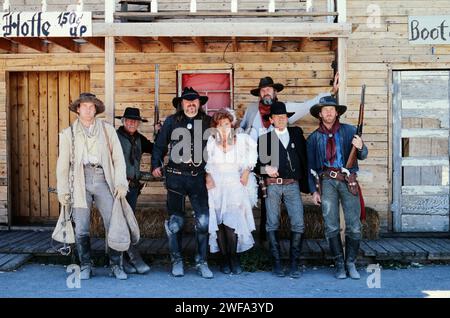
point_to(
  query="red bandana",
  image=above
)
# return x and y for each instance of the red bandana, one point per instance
(331, 143)
(264, 110)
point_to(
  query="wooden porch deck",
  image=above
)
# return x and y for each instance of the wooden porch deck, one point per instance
(19, 246)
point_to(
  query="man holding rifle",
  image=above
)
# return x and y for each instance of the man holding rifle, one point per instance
(333, 150)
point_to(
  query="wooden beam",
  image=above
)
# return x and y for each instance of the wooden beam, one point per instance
(269, 44)
(177, 14)
(34, 43)
(96, 41)
(224, 29)
(132, 42)
(235, 44)
(7, 45)
(342, 69)
(109, 11)
(200, 42)
(334, 45)
(165, 41)
(67, 43)
(342, 10)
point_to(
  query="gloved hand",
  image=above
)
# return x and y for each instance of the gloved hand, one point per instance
(64, 198)
(120, 192)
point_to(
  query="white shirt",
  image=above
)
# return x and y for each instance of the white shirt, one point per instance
(283, 135)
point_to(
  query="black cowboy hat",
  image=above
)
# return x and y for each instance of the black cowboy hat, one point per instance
(266, 82)
(87, 97)
(327, 101)
(190, 94)
(279, 108)
(132, 113)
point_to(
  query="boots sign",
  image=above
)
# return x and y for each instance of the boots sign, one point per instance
(46, 24)
(429, 29)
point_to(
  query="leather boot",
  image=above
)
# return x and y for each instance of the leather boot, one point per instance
(338, 256)
(274, 244)
(175, 241)
(221, 241)
(235, 259)
(116, 263)
(351, 253)
(295, 250)
(137, 261)
(128, 268)
(200, 257)
(84, 253)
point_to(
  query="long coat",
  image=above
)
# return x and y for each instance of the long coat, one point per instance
(113, 164)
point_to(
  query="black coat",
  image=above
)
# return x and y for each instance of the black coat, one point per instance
(297, 154)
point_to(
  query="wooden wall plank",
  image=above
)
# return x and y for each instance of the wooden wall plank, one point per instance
(63, 100)
(33, 142)
(24, 179)
(74, 91)
(14, 143)
(53, 140)
(43, 143)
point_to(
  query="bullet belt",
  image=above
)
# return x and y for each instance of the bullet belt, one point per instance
(183, 173)
(279, 181)
(93, 165)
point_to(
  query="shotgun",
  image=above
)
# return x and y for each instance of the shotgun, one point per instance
(359, 129)
(156, 120)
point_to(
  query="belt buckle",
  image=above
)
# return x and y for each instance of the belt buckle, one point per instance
(333, 174)
(279, 181)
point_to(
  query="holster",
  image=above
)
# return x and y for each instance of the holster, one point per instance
(352, 184)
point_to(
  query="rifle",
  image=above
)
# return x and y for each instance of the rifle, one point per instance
(156, 120)
(359, 129)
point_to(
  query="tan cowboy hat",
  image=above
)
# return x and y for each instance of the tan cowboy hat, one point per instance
(87, 97)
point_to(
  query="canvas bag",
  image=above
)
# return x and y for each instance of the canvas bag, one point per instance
(63, 231)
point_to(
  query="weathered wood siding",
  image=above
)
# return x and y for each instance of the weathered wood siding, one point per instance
(372, 53)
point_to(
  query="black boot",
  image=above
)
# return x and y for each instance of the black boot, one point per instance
(351, 253)
(200, 257)
(84, 253)
(274, 244)
(338, 256)
(221, 240)
(116, 262)
(262, 221)
(295, 250)
(235, 260)
(175, 241)
(137, 261)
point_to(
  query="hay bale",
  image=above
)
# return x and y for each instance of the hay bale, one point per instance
(314, 224)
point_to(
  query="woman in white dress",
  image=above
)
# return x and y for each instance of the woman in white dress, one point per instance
(232, 191)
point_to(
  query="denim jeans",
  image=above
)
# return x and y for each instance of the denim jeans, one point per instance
(293, 202)
(333, 193)
(132, 197)
(96, 190)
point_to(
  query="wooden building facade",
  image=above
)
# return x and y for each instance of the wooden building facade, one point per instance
(297, 42)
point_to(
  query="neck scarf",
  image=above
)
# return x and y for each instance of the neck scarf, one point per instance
(132, 139)
(264, 111)
(331, 143)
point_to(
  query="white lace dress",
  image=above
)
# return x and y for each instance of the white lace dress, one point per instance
(230, 202)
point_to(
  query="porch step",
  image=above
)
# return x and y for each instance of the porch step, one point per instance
(10, 262)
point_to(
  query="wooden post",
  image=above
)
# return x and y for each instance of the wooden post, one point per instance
(234, 6)
(109, 64)
(80, 5)
(271, 6)
(44, 5)
(193, 6)
(330, 8)
(154, 6)
(309, 6)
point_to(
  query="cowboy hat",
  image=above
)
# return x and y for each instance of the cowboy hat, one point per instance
(327, 101)
(189, 94)
(279, 108)
(87, 97)
(266, 82)
(132, 113)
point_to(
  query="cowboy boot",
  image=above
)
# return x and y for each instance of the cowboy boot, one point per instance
(137, 261)
(175, 241)
(274, 244)
(351, 253)
(116, 263)
(221, 241)
(338, 256)
(128, 268)
(200, 258)
(294, 253)
(84, 253)
(235, 259)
